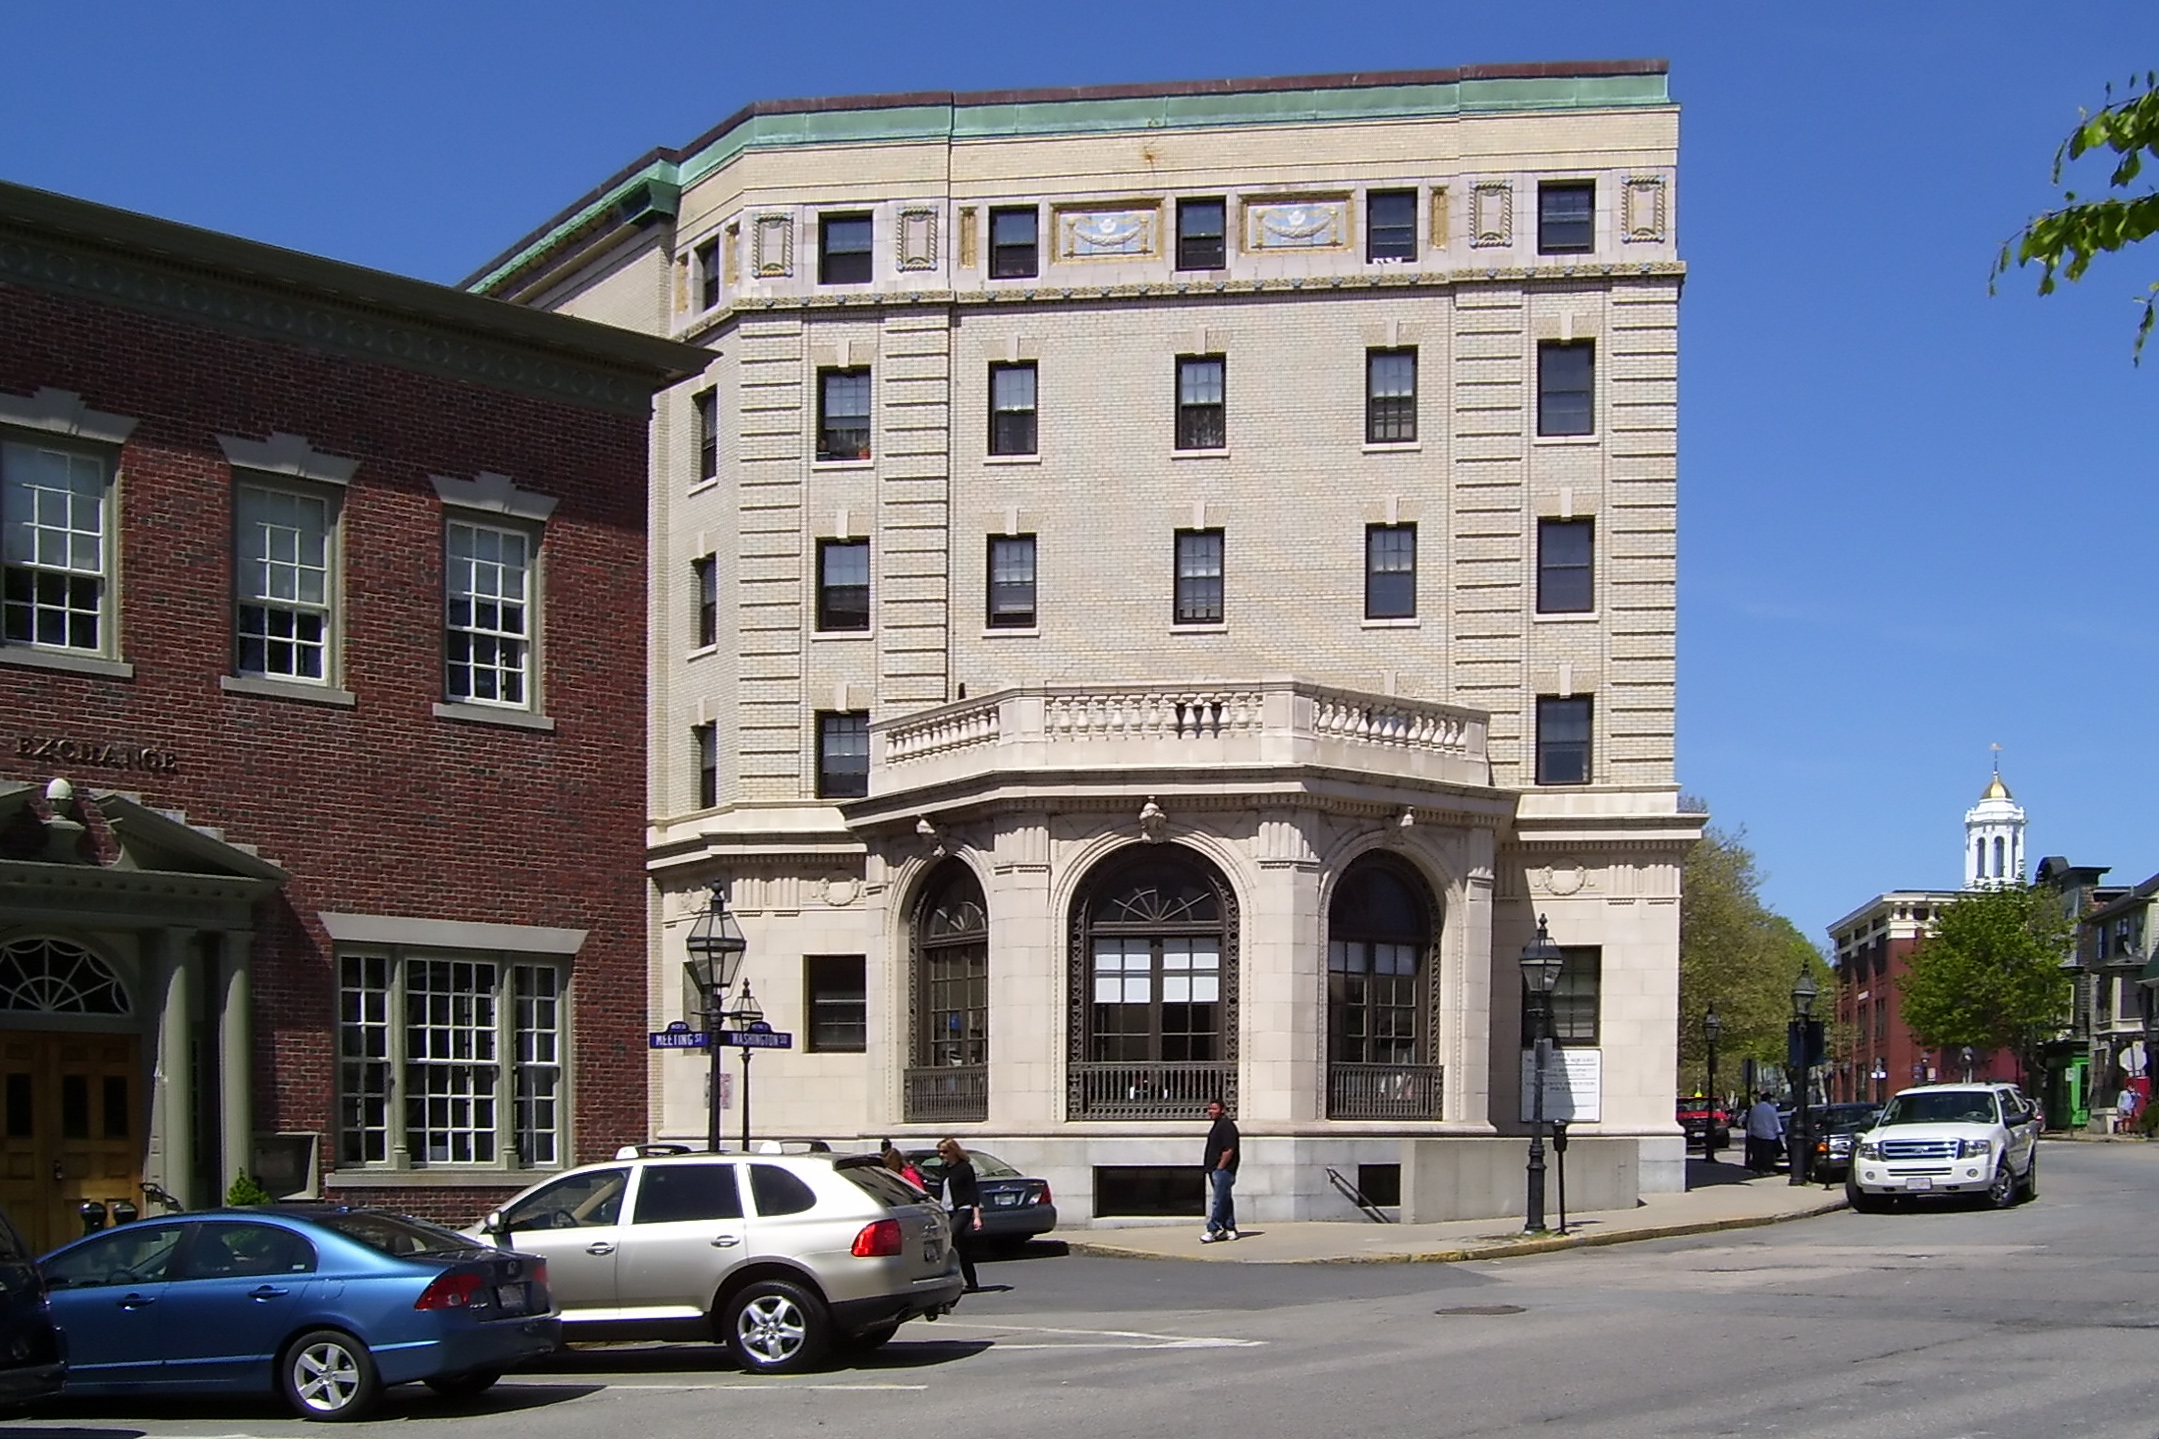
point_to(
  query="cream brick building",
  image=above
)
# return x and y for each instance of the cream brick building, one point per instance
(1157, 590)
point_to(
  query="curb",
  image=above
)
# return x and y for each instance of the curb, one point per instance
(1507, 1250)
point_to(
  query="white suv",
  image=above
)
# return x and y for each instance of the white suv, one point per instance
(1948, 1139)
(782, 1257)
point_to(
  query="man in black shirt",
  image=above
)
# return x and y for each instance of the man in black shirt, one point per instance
(1221, 1161)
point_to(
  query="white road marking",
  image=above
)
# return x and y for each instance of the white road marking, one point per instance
(1152, 1341)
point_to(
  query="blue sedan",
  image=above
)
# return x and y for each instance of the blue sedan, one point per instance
(323, 1305)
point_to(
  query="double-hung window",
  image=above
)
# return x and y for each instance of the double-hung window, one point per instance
(1199, 578)
(1566, 567)
(1566, 217)
(1576, 1000)
(707, 261)
(843, 249)
(843, 414)
(1390, 225)
(1012, 582)
(1200, 235)
(705, 577)
(843, 754)
(56, 549)
(1563, 739)
(705, 420)
(1201, 423)
(488, 612)
(1014, 249)
(1390, 572)
(284, 583)
(1012, 408)
(1566, 387)
(1390, 397)
(450, 1058)
(836, 995)
(705, 739)
(843, 585)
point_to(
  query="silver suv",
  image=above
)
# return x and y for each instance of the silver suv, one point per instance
(782, 1257)
(1948, 1139)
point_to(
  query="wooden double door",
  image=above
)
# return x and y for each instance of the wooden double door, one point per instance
(72, 1128)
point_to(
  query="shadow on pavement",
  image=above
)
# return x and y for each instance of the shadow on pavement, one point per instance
(1705, 1173)
(917, 1346)
(403, 1402)
(1026, 1249)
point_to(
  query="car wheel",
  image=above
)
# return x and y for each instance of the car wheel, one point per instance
(871, 1339)
(464, 1386)
(328, 1374)
(2002, 1189)
(774, 1327)
(1863, 1202)
(2031, 1178)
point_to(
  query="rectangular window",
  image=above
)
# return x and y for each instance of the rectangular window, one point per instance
(705, 420)
(1575, 1000)
(1012, 582)
(843, 414)
(705, 575)
(1200, 232)
(1390, 396)
(707, 261)
(473, 1045)
(282, 579)
(1566, 567)
(55, 560)
(1390, 572)
(1390, 231)
(843, 249)
(1014, 253)
(1566, 217)
(1199, 577)
(838, 1003)
(1563, 731)
(1012, 408)
(488, 640)
(705, 738)
(1200, 422)
(843, 585)
(843, 754)
(1566, 384)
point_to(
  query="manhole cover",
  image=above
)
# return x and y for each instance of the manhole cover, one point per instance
(1484, 1309)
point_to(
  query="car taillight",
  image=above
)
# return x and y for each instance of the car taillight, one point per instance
(539, 1272)
(1044, 1196)
(450, 1291)
(881, 1240)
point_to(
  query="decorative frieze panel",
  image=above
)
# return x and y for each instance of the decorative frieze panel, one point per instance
(1491, 214)
(1313, 224)
(918, 238)
(1124, 233)
(1561, 878)
(1437, 230)
(1642, 220)
(772, 246)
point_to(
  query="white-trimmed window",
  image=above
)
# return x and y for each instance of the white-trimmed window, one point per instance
(56, 549)
(285, 612)
(450, 1059)
(488, 615)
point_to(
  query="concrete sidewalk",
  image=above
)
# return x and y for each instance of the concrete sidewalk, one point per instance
(1721, 1200)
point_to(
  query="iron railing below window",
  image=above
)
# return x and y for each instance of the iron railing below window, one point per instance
(951, 1093)
(1149, 1090)
(1383, 1091)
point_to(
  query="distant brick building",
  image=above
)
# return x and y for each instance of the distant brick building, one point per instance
(321, 710)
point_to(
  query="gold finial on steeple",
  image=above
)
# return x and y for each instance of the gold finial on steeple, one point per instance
(1995, 788)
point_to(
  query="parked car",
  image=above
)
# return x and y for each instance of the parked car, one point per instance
(1940, 1139)
(1835, 1129)
(782, 1257)
(324, 1305)
(1015, 1208)
(1701, 1118)
(33, 1355)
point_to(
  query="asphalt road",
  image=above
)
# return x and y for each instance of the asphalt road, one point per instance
(1944, 1322)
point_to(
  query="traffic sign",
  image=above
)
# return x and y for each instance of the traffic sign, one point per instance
(678, 1035)
(766, 1038)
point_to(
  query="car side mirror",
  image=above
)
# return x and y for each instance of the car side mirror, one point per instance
(495, 1223)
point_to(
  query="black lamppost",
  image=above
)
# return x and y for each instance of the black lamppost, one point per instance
(1541, 962)
(1712, 1029)
(1967, 1064)
(747, 1012)
(1804, 991)
(716, 948)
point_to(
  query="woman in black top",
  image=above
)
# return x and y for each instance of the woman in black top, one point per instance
(964, 1199)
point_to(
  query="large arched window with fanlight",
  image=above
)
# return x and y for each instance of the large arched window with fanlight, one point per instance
(1154, 988)
(1381, 994)
(949, 1001)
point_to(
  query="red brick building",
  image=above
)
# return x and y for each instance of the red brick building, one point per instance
(322, 691)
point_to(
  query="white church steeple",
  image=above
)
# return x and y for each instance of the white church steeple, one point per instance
(1994, 836)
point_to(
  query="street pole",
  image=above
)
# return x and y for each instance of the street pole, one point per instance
(1536, 1127)
(745, 1101)
(712, 1071)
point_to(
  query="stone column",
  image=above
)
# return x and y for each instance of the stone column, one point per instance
(236, 1059)
(173, 1107)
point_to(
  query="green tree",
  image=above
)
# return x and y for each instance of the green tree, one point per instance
(1738, 956)
(2065, 239)
(1990, 975)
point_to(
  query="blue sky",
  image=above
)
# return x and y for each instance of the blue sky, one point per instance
(1914, 518)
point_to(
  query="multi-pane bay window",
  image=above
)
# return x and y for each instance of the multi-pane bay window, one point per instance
(1200, 235)
(1390, 572)
(282, 576)
(1566, 387)
(1200, 389)
(843, 414)
(1012, 408)
(1199, 578)
(843, 754)
(843, 585)
(1390, 396)
(1576, 1000)
(55, 548)
(1563, 739)
(843, 249)
(1566, 217)
(450, 1059)
(1012, 582)
(1014, 253)
(1566, 566)
(488, 615)
(705, 578)
(836, 998)
(1391, 225)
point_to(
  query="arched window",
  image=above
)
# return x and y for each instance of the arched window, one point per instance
(1979, 857)
(949, 1001)
(1155, 988)
(52, 976)
(1381, 995)
(2001, 869)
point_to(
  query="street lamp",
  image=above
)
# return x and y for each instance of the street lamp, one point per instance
(1801, 1050)
(748, 1012)
(1541, 962)
(716, 947)
(1968, 1064)
(1712, 1029)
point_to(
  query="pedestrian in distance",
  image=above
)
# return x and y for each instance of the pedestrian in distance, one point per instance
(1221, 1163)
(898, 1164)
(1764, 1131)
(963, 1200)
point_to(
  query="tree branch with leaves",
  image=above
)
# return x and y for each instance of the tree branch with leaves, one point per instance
(1991, 974)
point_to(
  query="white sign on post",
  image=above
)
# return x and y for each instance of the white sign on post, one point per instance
(1573, 1085)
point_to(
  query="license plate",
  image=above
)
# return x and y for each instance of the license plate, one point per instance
(1005, 1199)
(1920, 1183)
(511, 1298)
